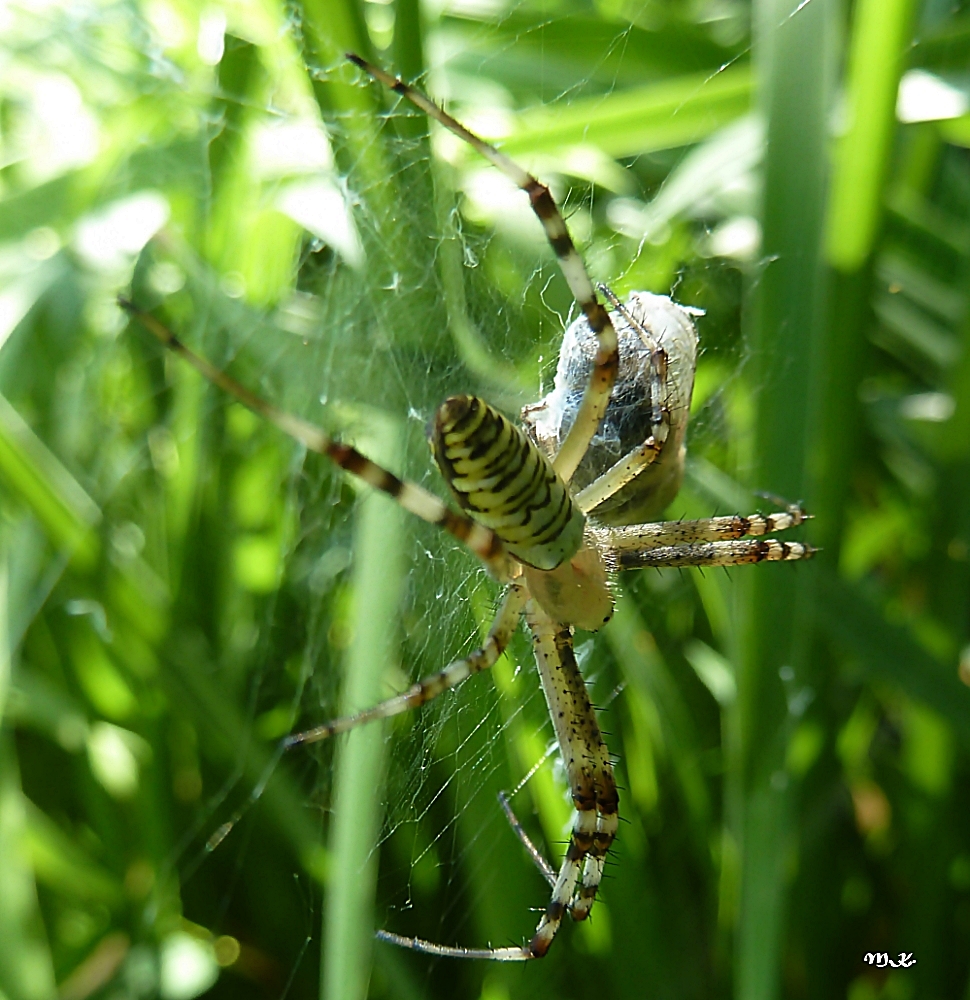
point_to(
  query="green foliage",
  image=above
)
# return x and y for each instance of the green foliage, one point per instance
(181, 585)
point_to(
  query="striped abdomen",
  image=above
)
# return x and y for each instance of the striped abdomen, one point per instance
(505, 483)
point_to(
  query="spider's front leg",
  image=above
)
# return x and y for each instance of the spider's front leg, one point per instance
(599, 385)
(589, 772)
(711, 541)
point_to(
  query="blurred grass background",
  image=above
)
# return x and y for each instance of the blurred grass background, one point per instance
(180, 585)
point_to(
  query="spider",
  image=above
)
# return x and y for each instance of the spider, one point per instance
(553, 510)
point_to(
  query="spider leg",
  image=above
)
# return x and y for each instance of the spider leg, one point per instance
(483, 542)
(731, 553)
(597, 393)
(604, 786)
(668, 389)
(658, 357)
(640, 537)
(451, 951)
(590, 776)
(618, 475)
(499, 636)
(548, 872)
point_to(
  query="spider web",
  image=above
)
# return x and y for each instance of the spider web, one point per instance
(356, 271)
(460, 294)
(438, 281)
(302, 229)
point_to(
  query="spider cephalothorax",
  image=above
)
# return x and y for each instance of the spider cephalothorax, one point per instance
(552, 510)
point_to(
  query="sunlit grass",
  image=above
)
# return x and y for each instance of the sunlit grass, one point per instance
(180, 585)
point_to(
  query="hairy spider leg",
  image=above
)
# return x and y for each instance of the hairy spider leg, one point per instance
(454, 951)
(420, 693)
(548, 872)
(499, 954)
(538, 859)
(639, 537)
(606, 362)
(618, 475)
(604, 785)
(588, 770)
(711, 541)
(732, 553)
(483, 543)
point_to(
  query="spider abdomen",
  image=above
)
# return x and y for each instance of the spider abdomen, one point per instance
(505, 482)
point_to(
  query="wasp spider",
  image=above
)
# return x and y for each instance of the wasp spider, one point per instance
(552, 511)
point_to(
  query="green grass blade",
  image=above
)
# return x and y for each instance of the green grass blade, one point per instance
(359, 770)
(58, 501)
(793, 56)
(890, 653)
(645, 670)
(643, 119)
(879, 36)
(26, 972)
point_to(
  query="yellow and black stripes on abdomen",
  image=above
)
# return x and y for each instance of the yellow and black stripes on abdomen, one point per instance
(505, 482)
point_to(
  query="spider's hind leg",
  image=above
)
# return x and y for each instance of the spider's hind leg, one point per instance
(582, 900)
